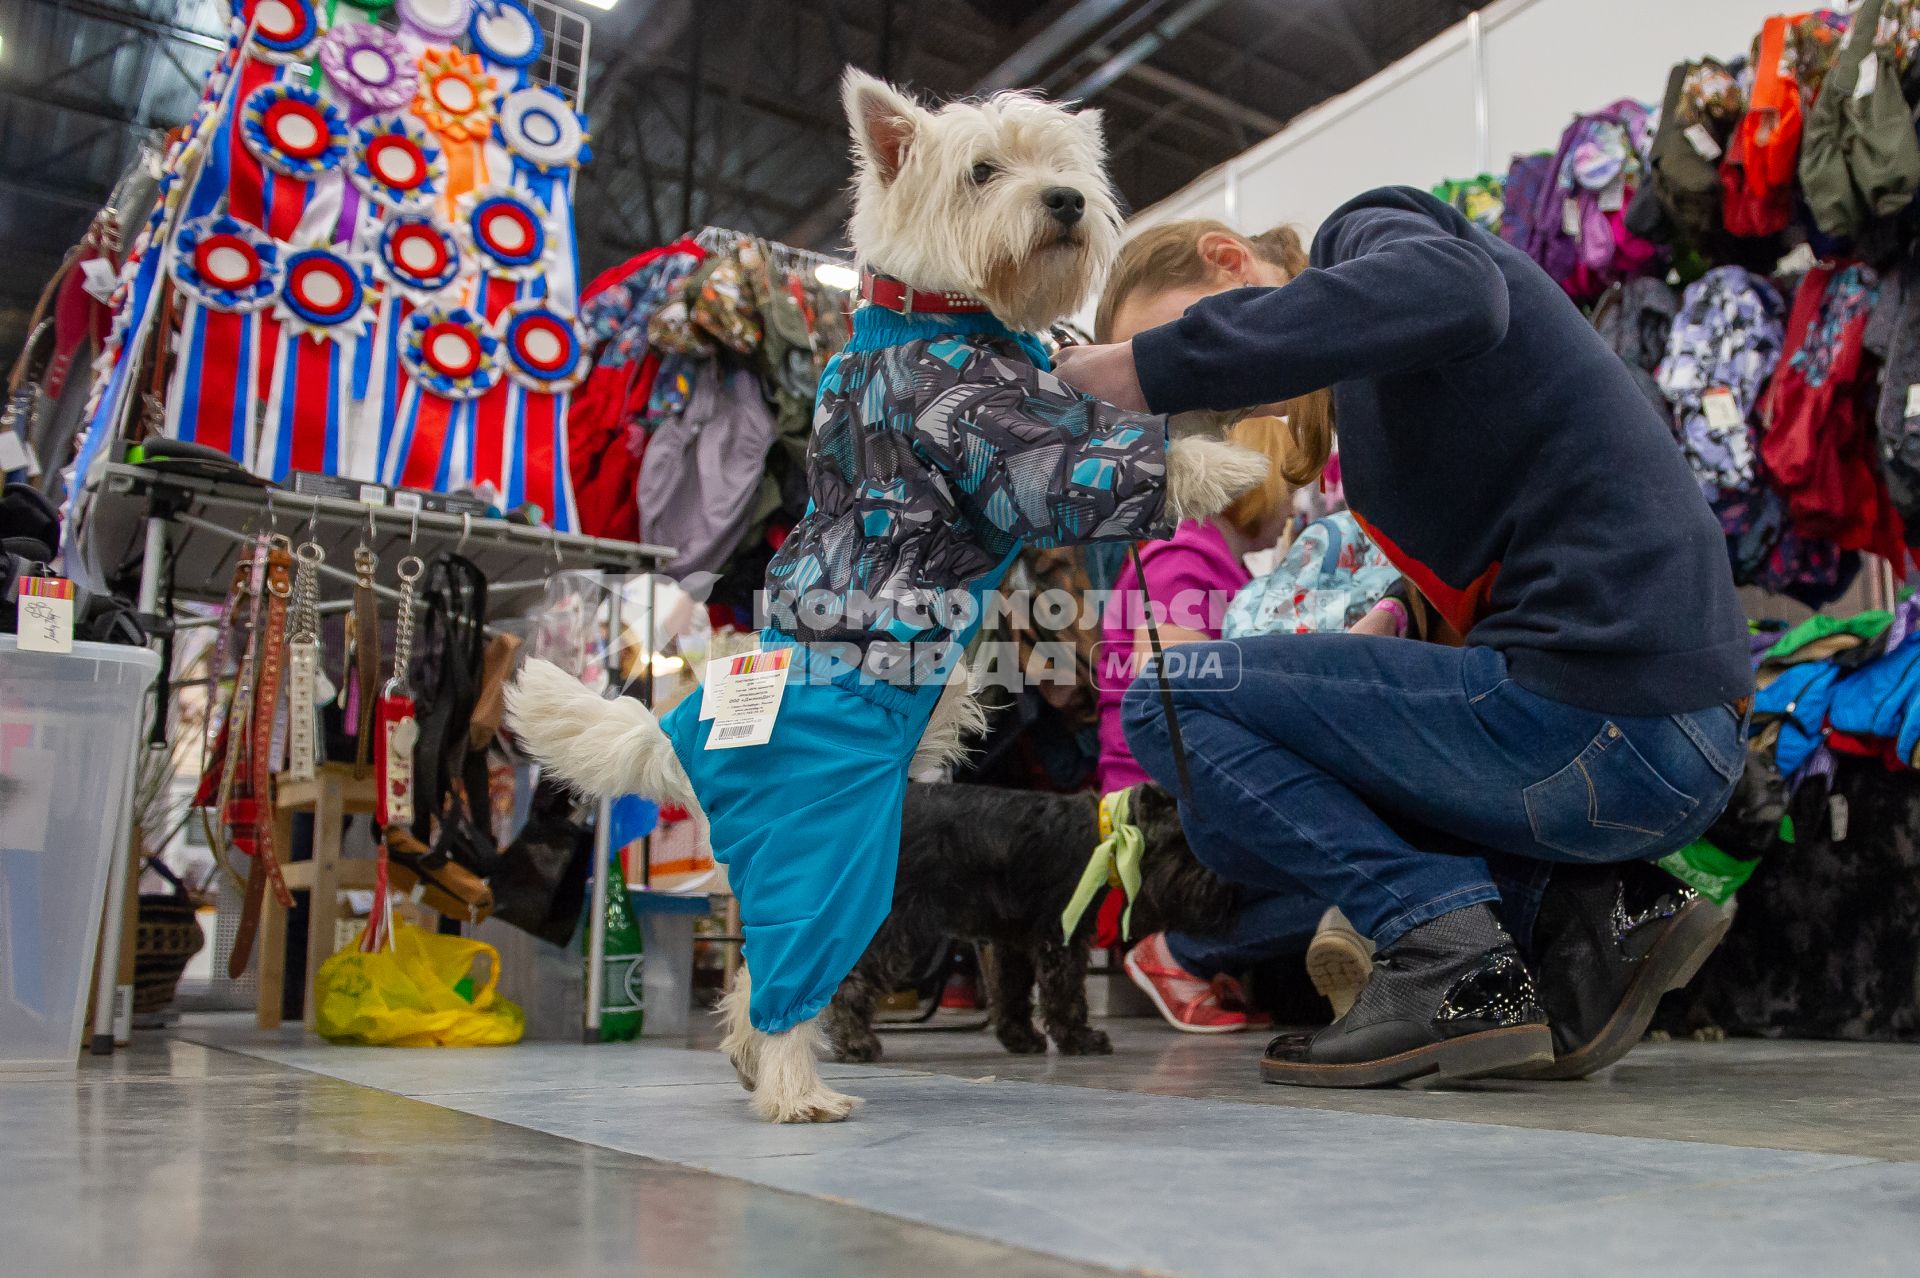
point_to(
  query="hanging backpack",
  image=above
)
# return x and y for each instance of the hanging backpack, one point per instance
(1680, 200)
(1330, 578)
(1635, 318)
(1758, 176)
(1578, 231)
(1528, 177)
(1723, 347)
(1859, 160)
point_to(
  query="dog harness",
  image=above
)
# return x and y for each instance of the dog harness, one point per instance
(941, 445)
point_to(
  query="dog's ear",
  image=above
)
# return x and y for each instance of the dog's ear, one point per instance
(1094, 121)
(883, 119)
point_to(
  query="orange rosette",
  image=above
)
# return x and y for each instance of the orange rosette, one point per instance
(456, 100)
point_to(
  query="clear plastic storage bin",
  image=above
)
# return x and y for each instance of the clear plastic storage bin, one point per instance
(68, 724)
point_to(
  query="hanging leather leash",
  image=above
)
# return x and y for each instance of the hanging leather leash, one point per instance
(1160, 675)
(249, 809)
(363, 674)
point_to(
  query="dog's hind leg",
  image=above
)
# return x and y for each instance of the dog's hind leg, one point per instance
(788, 1087)
(1063, 1001)
(850, 1016)
(1013, 999)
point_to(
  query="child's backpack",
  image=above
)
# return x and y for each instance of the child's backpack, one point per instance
(1722, 349)
(1330, 578)
(1577, 231)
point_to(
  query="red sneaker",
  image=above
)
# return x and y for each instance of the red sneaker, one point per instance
(1190, 1004)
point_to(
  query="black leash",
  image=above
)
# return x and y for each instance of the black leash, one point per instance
(1160, 675)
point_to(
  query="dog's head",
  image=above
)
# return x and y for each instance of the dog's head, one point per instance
(1006, 199)
(1177, 893)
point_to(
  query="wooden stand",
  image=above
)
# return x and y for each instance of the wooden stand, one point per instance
(334, 793)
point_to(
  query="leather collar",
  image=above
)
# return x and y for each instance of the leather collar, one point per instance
(890, 294)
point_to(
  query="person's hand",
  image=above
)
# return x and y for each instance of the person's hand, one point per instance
(1104, 372)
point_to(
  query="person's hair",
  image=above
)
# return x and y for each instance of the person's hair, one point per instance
(1168, 256)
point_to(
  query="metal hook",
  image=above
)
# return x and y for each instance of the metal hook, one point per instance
(413, 527)
(553, 544)
(466, 530)
(371, 531)
(273, 519)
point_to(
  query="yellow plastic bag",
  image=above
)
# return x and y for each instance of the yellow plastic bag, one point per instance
(410, 996)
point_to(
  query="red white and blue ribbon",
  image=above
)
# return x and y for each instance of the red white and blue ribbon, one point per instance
(419, 259)
(509, 236)
(292, 131)
(325, 306)
(520, 432)
(451, 359)
(229, 273)
(396, 163)
(284, 31)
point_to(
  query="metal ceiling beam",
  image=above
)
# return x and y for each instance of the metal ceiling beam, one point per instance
(136, 20)
(1018, 68)
(1141, 49)
(1206, 99)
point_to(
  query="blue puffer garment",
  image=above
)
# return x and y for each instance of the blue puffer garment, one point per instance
(941, 445)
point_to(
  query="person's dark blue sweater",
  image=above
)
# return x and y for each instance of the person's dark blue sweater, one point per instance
(1495, 447)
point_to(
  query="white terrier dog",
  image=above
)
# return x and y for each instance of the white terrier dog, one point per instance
(1003, 206)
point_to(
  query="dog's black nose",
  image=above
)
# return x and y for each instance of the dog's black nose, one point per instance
(1064, 204)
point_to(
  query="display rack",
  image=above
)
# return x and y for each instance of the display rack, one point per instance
(188, 532)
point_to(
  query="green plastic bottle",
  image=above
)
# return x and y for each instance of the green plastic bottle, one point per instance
(622, 1005)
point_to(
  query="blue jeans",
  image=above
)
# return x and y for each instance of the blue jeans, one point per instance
(1266, 924)
(1402, 781)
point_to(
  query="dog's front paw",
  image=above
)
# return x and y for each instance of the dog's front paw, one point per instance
(819, 1104)
(1085, 1041)
(1709, 1034)
(1021, 1038)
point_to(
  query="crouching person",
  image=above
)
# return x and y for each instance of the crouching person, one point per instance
(1463, 806)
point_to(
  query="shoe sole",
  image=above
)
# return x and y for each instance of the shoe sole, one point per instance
(1674, 960)
(1339, 966)
(1469, 1056)
(1140, 979)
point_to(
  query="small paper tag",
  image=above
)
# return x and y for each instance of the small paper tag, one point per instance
(1913, 400)
(98, 278)
(1701, 141)
(1613, 195)
(1837, 817)
(405, 500)
(1570, 216)
(45, 615)
(1869, 78)
(1722, 410)
(13, 454)
(742, 696)
(373, 495)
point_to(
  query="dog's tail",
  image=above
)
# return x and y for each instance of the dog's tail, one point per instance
(602, 747)
(1205, 475)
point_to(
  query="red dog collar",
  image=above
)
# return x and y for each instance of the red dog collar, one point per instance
(890, 294)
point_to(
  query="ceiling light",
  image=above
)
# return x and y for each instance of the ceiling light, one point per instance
(834, 275)
(600, 4)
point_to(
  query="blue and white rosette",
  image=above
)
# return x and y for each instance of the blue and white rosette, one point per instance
(396, 162)
(509, 236)
(418, 255)
(544, 347)
(450, 352)
(225, 264)
(504, 33)
(325, 294)
(540, 127)
(292, 130)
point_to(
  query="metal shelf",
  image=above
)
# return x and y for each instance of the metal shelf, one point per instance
(516, 559)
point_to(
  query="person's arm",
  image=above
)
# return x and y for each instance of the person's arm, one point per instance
(1395, 287)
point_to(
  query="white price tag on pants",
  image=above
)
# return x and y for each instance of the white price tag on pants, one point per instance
(742, 696)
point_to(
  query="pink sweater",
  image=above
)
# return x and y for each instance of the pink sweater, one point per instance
(1191, 577)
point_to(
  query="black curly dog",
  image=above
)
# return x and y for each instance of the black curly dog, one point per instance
(979, 863)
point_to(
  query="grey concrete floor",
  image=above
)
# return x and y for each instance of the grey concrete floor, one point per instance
(226, 1151)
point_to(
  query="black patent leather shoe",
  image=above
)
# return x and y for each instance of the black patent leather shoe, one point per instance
(1610, 942)
(1438, 1003)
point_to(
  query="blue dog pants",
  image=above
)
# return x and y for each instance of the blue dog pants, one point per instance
(808, 826)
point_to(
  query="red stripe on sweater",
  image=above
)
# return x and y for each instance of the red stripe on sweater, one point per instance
(1461, 607)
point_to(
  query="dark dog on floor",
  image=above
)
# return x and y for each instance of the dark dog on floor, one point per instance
(980, 863)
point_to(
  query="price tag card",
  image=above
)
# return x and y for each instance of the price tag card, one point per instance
(13, 454)
(45, 616)
(1570, 217)
(1701, 141)
(1913, 401)
(742, 696)
(1721, 408)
